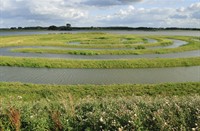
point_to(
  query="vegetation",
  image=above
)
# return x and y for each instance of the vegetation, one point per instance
(167, 106)
(92, 107)
(34, 92)
(88, 40)
(63, 39)
(105, 43)
(133, 63)
(139, 50)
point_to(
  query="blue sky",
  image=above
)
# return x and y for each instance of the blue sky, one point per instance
(133, 13)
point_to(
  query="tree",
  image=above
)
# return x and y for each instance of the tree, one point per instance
(68, 25)
(13, 28)
(53, 27)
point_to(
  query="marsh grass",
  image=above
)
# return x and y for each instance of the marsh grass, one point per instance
(88, 40)
(126, 63)
(102, 41)
(31, 92)
(141, 49)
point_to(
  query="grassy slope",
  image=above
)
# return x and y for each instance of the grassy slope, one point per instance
(96, 107)
(37, 92)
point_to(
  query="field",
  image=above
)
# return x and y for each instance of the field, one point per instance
(93, 107)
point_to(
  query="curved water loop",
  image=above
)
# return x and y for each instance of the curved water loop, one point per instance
(176, 43)
(6, 51)
(151, 40)
(99, 76)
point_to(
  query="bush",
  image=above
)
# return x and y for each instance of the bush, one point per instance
(133, 113)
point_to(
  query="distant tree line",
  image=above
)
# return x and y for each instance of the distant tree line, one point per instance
(25, 28)
(69, 27)
(53, 27)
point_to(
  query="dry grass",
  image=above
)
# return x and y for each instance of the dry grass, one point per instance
(14, 116)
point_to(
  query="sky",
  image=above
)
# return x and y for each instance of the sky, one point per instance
(84, 13)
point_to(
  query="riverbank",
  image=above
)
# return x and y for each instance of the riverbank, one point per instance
(34, 92)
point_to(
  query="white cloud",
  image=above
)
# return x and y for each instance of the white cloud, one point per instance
(56, 8)
(156, 17)
(5, 5)
(35, 12)
(91, 13)
(105, 3)
(194, 6)
(123, 13)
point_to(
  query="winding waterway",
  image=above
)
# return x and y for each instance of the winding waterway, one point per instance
(101, 76)
(6, 51)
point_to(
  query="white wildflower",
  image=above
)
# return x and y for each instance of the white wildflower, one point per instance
(101, 119)
(113, 122)
(19, 97)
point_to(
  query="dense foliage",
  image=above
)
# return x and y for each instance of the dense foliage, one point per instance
(99, 107)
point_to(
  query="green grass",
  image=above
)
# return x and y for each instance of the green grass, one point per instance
(167, 106)
(129, 63)
(88, 40)
(91, 40)
(170, 106)
(139, 50)
(62, 39)
(31, 92)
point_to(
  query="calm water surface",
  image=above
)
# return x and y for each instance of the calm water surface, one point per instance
(99, 76)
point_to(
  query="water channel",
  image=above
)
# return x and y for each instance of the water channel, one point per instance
(99, 76)
(102, 76)
(6, 51)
